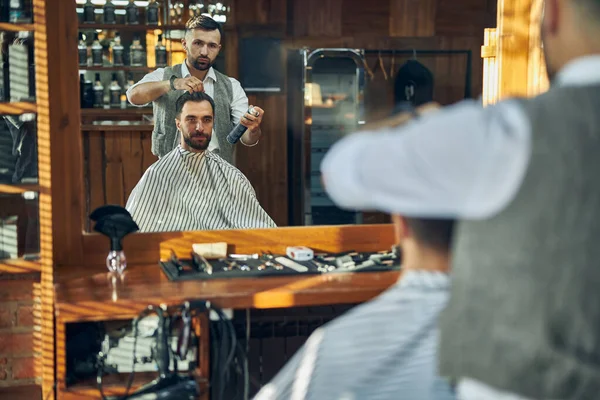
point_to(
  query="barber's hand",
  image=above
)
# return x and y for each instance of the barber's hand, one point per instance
(252, 122)
(191, 84)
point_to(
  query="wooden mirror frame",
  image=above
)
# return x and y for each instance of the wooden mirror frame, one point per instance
(515, 46)
(67, 248)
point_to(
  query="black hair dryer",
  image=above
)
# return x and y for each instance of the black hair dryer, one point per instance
(115, 222)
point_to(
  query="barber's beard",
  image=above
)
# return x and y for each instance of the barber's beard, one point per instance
(202, 66)
(189, 140)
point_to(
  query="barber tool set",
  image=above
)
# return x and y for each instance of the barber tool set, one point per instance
(211, 261)
(161, 339)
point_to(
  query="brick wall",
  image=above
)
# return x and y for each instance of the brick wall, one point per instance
(17, 330)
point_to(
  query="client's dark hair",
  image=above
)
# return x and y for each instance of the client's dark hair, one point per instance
(433, 233)
(196, 97)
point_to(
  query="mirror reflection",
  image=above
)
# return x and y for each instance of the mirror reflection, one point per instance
(246, 153)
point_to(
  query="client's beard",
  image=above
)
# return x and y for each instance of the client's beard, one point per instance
(188, 140)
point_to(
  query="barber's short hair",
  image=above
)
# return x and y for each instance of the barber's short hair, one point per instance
(195, 97)
(205, 23)
(434, 233)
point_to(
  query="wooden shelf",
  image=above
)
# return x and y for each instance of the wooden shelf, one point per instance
(19, 266)
(118, 126)
(102, 112)
(139, 27)
(20, 107)
(114, 385)
(118, 68)
(5, 26)
(7, 188)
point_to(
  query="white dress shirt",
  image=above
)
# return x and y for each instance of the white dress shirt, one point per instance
(464, 161)
(239, 102)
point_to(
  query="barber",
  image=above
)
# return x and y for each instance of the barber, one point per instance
(162, 87)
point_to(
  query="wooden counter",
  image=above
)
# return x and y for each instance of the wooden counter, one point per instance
(99, 297)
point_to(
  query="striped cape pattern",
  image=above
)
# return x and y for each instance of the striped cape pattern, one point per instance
(385, 349)
(186, 191)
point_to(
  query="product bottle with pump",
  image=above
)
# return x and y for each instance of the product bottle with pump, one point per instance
(96, 51)
(98, 92)
(115, 92)
(117, 51)
(89, 16)
(160, 52)
(152, 14)
(136, 52)
(132, 13)
(109, 16)
(82, 50)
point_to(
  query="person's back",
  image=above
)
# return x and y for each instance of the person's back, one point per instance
(537, 257)
(386, 348)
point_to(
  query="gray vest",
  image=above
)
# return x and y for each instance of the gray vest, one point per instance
(165, 136)
(524, 314)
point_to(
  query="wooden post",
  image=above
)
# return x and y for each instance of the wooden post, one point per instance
(59, 160)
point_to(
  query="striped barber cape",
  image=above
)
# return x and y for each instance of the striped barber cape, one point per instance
(186, 191)
(381, 350)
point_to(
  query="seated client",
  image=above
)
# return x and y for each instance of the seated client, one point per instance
(191, 188)
(385, 348)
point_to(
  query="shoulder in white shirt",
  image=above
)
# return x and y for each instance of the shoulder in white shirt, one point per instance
(465, 161)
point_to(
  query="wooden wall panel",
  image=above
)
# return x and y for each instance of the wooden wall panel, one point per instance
(413, 17)
(259, 12)
(318, 18)
(373, 20)
(265, 164)
(114, 163)
(462, 18)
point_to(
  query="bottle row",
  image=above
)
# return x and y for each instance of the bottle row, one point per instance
(95, 54)
(96, 95)
(16, 11)
(132, 13)
(156, 12)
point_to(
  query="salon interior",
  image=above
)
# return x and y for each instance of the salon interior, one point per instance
(93, 305)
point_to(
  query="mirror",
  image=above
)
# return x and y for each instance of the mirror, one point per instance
(312, 97)
(333, 107)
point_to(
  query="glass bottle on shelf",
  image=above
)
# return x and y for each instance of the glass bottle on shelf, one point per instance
(82, 50)
(109, 16)
(117, 51)
(129, 82)
(152, 13)
(160, 51)
(132, 13)
(176, 12)
(86, 89)
(19, 12)
(96, 51)
(136, 52)
(89, 12)
(98, 92)
(115, 92)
